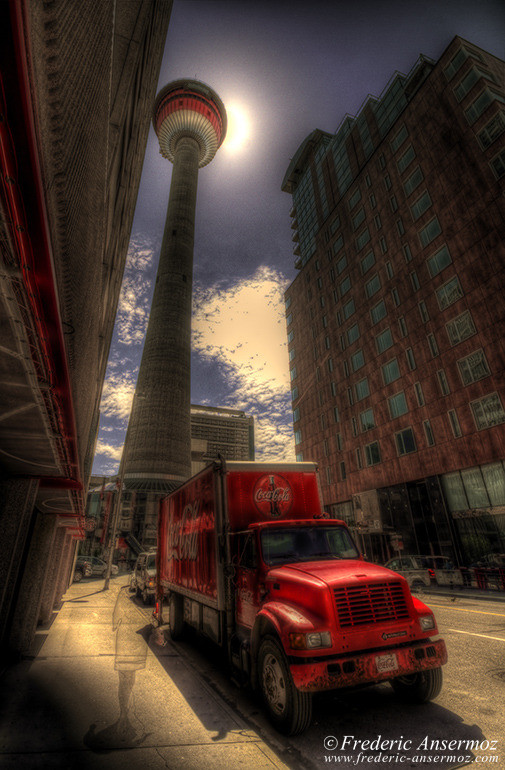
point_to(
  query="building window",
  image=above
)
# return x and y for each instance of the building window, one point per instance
(439, 261)
(430, 440)
(335, 225)
(430, 232)
(321, 301)
(350, 397)
(373, 286)
(399, 138)
(342, 342)
(389, 269)
(415, 281)
(289, 319)
(328, 473)
(384, 340)
(321, 397)
(421, 205)
(319, 283)
(390, 371)
(405, 442)
(378, 312)
(367, 262)
(358, 218)
(340, 443)
(292, 354)
(362, 389)
(472, 76)
(339, 318)
(353, 334)
(367, 420)
(407, 252)
(423, 312)
(481, 103)
(357, 360)
(341, 264)
(294, 394)
(460, 328)
(419, 394)
(397, 405)
(473, 367)
(323, 422)
(373, 201)
(336, 414)
(413, 181)
(292, 373)
(387, 182)
(338, 245)
(346, 369)
(449, 293)
(403, 326)
(355, 197)
(406, 159)
(432, 344)
(362, 239)
(358, 458)
(410, 359)
(354, 426)
(330, 365)
(400, 227)
(296, 414)
(383, 245)
(488, 411)
(345, 286)
(368, 181)
(443, 383)
(298, 437)
(492, 130)
(325, 321)
(454, 423)
(348, 309)
(291, 336)
(372, 453)
(333, 388)
(377, 221)
(327, 343)
(393, 203)
(396, 297)
(343, 475)
(498, 165)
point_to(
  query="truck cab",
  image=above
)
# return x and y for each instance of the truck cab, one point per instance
(307, 600)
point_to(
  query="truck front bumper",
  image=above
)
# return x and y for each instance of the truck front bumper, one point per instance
(369, 667)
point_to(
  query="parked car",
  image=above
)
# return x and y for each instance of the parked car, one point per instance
(418, 569)
(143, 579)
(95, 566)
(490, 561)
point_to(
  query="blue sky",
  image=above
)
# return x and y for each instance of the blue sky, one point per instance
(286, 68)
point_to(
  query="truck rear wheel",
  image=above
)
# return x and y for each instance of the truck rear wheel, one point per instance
(176, 616)
(289, 709)
(420, 687)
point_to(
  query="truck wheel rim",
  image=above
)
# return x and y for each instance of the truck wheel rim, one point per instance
(274, 685)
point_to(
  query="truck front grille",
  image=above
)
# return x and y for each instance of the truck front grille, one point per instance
(361, 605)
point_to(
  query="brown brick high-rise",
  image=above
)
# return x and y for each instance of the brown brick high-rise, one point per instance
(396, 321)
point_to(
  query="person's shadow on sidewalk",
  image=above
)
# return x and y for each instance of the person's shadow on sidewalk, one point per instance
(130, 657)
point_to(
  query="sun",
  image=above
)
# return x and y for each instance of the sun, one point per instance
(238, 127)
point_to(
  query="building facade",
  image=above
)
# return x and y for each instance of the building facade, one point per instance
(219, 431)
(396, 320)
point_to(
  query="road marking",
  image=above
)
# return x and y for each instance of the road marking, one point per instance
(482, 636)
(462, 609)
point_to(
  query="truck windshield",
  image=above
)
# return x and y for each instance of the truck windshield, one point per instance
(151, 562)
(291, 544)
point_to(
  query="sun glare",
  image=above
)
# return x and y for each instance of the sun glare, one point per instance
(238, 127)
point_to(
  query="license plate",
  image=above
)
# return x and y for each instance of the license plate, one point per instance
(386, 663)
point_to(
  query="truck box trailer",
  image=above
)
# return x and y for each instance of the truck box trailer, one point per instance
(247, 557)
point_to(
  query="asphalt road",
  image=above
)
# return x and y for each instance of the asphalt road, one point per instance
(468, 712)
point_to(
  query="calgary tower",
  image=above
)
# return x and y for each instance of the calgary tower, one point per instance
(190, 121)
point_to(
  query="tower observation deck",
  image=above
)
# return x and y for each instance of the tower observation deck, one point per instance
(190, 121)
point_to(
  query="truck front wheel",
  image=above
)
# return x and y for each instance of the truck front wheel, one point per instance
(420, 687)
(176, 616)
(289, 709)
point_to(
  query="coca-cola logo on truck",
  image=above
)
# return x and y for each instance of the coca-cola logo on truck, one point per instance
(273, 495)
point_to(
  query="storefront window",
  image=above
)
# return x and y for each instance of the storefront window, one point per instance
(475, 488)
(454, 492)
(494, 477)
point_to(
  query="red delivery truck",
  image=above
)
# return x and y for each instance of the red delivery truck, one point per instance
(247, 557)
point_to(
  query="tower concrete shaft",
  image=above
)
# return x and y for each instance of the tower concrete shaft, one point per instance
(190, 121)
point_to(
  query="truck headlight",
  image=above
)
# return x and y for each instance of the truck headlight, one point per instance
(427, 622)
(311, 641)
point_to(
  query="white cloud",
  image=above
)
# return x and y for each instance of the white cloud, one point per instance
(117, 394)
(242, 328)
(108, 450)
(133, 307)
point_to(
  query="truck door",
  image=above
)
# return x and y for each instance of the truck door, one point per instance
(247, 592)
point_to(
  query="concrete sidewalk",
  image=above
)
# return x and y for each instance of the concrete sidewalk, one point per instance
(457, 592)
(62, 708)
